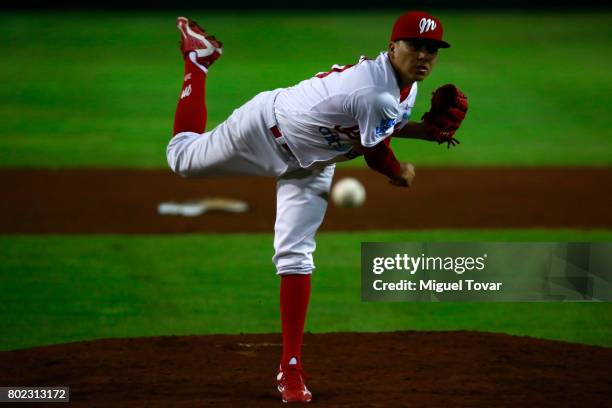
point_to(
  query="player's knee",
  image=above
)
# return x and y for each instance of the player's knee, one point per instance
(174, 164)
(175, 159)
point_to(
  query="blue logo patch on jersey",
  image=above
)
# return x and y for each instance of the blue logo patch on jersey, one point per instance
(384, 126)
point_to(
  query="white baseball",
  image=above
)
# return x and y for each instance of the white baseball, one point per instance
(348, 193)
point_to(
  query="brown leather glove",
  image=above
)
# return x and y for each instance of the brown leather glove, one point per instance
(448, 108)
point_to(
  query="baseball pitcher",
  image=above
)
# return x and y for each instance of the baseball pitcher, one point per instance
(297, 134)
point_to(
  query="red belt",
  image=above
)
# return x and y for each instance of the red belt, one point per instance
(280, 139)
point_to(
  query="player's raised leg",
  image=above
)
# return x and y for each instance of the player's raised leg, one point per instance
(200, 50)
(301, 206)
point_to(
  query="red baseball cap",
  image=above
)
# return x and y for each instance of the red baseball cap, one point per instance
(418, 25)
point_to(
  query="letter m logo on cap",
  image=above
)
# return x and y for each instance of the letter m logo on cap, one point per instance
(426, 24)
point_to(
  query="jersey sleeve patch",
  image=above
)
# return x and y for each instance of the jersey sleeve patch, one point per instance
(377, 112)
(383, 128)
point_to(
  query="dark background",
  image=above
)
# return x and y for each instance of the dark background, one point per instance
(344, 5)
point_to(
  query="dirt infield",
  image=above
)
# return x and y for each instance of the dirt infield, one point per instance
(125, 201)
(346, 369)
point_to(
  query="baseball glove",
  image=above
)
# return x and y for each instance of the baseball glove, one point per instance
(448, 108)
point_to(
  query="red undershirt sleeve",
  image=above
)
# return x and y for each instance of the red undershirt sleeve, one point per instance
(381, 158)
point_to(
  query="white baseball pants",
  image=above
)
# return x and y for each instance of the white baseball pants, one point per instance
(244, 144)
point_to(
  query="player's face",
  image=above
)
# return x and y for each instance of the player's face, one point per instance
(413, 59)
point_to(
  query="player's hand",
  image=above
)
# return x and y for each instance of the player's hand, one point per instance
(406, 176)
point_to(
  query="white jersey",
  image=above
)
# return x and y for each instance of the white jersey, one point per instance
(324, 117)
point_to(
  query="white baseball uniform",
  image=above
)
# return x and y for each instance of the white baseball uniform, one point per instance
(321, 119)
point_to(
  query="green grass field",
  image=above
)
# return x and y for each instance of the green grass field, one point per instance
(101, 89)
(59, 289)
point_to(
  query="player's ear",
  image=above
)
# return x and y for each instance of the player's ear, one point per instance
(391, 48)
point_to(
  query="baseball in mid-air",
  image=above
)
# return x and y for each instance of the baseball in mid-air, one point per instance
(348, 193)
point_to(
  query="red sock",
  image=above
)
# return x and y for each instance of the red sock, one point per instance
(294, 297)
(191, 110)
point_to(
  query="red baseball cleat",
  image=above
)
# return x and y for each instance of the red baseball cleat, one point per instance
(193, 38)
(291, 385)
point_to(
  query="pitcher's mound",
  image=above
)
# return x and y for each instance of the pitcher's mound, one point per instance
(419, 369)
